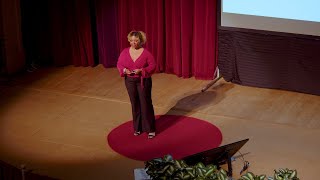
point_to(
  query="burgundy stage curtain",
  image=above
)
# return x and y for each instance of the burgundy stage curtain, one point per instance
(205, 42)
(147, 16)
(107, 32)
(181, 34)
(71, 32)
(191, 36)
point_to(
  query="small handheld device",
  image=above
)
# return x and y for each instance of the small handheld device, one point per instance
(132, 73)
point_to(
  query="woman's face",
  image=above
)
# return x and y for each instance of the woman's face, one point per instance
(134, 42)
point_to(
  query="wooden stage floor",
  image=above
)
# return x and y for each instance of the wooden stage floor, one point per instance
(55, 121)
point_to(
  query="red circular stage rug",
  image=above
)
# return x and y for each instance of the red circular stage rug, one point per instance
(179, 136)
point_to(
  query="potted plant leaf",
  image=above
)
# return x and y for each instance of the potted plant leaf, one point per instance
(167, 168)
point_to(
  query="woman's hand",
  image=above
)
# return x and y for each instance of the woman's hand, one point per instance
(137, 71)
(127, 71)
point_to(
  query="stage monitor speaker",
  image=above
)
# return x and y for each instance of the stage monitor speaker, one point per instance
(217, 156)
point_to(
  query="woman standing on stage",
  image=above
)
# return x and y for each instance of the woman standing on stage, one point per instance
(136, 65)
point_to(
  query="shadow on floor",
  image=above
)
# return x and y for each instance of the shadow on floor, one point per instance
(199, 101)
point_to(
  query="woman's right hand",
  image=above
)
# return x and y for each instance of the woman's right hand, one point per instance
(127, 71)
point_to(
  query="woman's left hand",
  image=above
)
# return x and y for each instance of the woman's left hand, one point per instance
(137, 71)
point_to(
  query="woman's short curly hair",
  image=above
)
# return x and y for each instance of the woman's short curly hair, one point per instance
(140, 34)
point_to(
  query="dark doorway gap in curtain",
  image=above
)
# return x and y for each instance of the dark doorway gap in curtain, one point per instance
(93, 17)
(79, 27)
(59, 32)
(35, 31)
(107, 32)
(59, 37)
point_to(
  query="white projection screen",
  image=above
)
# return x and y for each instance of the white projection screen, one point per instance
(290, 16)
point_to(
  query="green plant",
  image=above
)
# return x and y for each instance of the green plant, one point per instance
(284, 174)
(251, 176)
(167, 168)
(281, 174)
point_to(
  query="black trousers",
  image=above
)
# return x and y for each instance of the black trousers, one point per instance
(141, 103)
